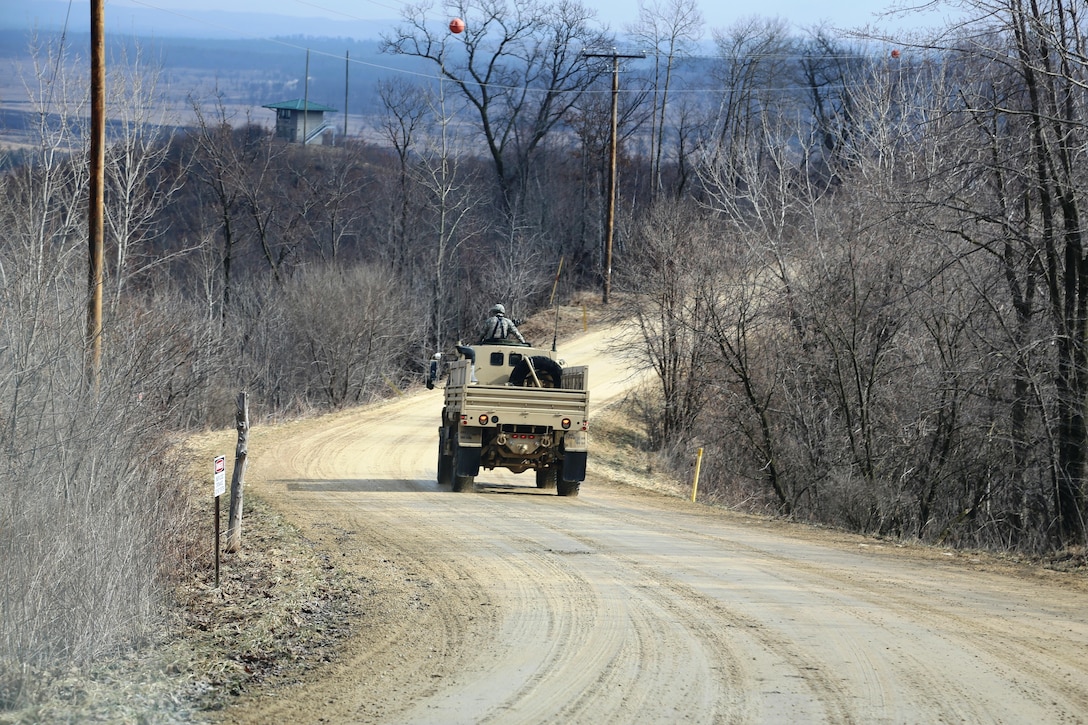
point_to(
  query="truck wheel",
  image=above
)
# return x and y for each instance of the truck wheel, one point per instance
(567, 488)
(445, 468)
(547, 370)
(547, 478)
(465, 464)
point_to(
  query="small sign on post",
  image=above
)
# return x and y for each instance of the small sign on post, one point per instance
(220, 476)
(219, 487)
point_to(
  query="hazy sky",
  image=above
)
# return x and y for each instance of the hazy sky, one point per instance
(617, 13)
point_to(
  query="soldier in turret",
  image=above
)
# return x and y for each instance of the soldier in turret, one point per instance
(499, 327)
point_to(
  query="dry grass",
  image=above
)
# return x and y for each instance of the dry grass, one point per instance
(584, 310)
(280, 609)
(620, 453)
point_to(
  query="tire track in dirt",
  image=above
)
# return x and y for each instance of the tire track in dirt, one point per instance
(621, 662)
(724, 657)
(575, 641)
(919, 640)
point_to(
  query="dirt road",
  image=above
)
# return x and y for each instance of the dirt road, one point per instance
(512, 605)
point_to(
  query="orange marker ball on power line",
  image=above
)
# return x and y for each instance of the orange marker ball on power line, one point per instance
(457, 25)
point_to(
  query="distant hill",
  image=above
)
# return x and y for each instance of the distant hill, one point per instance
(244, 74)
(53, 15)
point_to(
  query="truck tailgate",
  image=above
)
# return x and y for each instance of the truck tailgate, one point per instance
(550, 402)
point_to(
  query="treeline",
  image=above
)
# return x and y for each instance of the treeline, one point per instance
(871, 308)
(858, 275)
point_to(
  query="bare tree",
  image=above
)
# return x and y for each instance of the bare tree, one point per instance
(407, 109)
(263, 191)
(833, 72)
(518, 269)
(331, 206)
(1022, 129)
(665, 271)
(519, 65)
(741, 324)
(757, 317)
(450, 195)
(136, 191)
(671, 28)
(90, 516)
(1049, 47)
(218, 165)
(53, 188)
(242, 170)
(755, 65)
(346, 332)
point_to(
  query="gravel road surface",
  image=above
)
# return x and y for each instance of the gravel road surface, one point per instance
(514, 605)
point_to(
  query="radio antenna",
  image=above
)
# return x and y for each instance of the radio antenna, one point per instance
(555, 284)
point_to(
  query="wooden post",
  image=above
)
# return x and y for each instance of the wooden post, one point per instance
(234, 523)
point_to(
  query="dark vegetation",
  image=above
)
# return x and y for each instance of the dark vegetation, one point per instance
(860, 279)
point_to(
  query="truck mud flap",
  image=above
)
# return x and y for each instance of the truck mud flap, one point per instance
(467, 461)
(574, 466)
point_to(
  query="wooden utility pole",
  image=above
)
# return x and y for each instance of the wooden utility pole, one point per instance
(610, 222)
(347, 69)
(95, 212)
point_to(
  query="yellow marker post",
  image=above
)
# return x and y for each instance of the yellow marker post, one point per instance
(695, 481)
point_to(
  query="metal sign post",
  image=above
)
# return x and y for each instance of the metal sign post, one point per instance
(219, 488)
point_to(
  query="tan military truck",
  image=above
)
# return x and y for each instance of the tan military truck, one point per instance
(510, 405)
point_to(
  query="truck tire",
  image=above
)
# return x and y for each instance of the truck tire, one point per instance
(547, 478)
(562, 486)
(445, 468)
(547, 370)
(462, 482)
(567, 488)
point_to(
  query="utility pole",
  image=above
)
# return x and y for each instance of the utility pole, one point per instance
(95, 212)
(347, 69)
(610, 223)
(306, 98)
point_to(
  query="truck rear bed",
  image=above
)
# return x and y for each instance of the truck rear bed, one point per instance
(513, 404)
